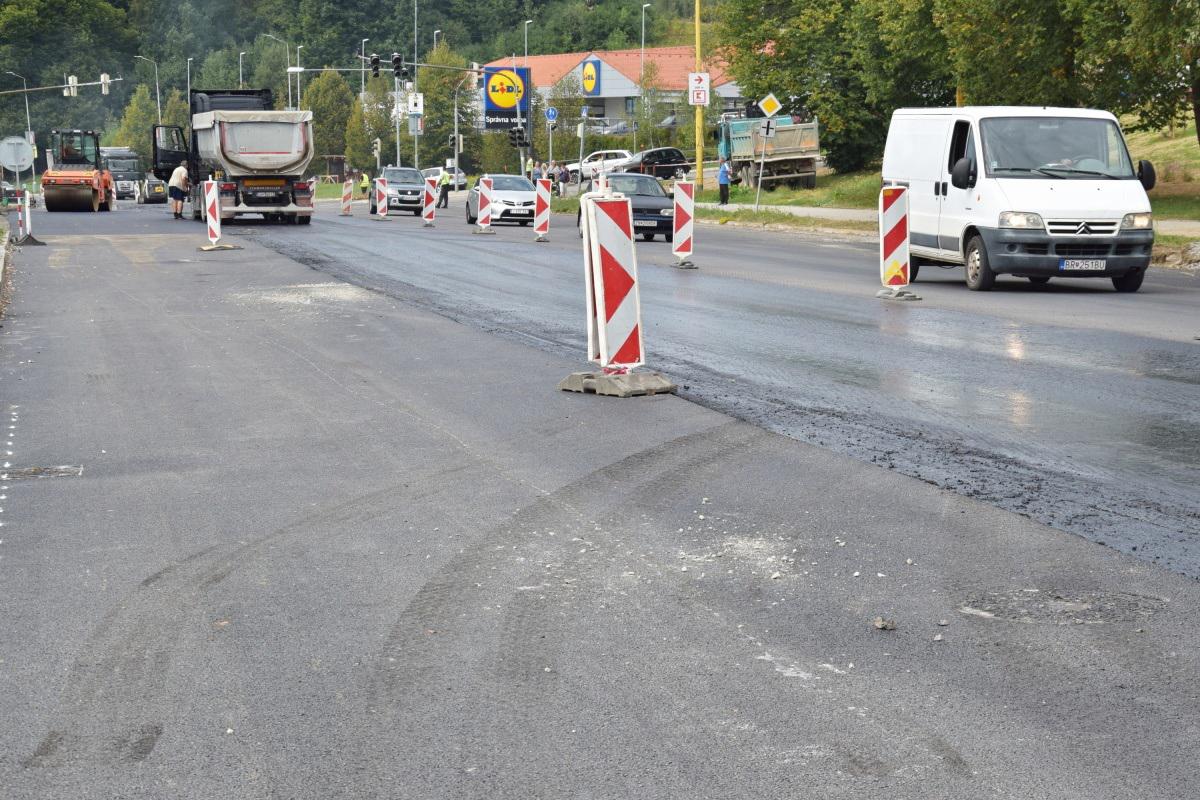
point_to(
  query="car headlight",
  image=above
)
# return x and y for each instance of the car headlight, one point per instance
(1021, 219)
(1137, 222)
(667, 212)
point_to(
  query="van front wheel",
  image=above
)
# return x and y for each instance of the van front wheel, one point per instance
(980, 277)
(1130, 281)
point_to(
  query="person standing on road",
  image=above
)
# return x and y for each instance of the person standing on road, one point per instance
(535, 173)
(443, 189)
(178, 188)
(723, 181)
(529, 167)
(365, 184)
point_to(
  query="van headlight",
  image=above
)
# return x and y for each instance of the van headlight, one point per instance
(1021, 219)
(667, 212)
(1137, 222)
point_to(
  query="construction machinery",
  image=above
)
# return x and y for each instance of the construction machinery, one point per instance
(257, 156)
(76, 178)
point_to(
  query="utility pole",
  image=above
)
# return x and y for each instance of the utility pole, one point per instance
(189, 84)
(641, 77)
(416, 58)
(699, 113)
(396, 116)
(362, 78)
(157, 95)
(241, 75)
(28, 124)
(287, 58)
(299, 102)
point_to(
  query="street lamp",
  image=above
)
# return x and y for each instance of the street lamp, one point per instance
(435, 34)
(287, 57)
(527, 23)
(189, 82)
(28, 124)
(157, 96)
(299, 102)
(641, 76)
(362, 76)
(241, 80)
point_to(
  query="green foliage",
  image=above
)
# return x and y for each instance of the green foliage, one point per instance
(137, 124)
(330, 100)
(358, 144)
(438, 86)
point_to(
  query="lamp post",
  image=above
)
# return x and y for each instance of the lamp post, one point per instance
(641, 76)
(287, 58)
(362, 76)
(157, 95)
(189, 82)
(241, 78)
(299, 102)
(28, 124)
(435, 35)
(527, 22)
(699, 110)
(416, 138)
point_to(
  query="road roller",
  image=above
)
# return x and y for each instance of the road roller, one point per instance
(76, 179)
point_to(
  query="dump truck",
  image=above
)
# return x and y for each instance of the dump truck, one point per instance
(257, 155)
(126, 168)
(791, 155)
(76, 178)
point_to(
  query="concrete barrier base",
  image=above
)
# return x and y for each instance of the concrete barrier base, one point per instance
(29, 241)
(484, 232)
(897, 294)
(631, 384)
(209, 248)
(684, 263)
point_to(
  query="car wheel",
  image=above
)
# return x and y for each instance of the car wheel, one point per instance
(980, 277)
(647, 237)
(1039, 280)
(470, 219)
(1130, 281)
(914, 267)
(417, 212)
(523, 222)
(670, 237)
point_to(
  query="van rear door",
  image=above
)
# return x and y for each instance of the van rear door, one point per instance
(916, 147)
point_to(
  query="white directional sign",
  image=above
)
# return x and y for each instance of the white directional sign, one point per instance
(416, 103)
(699, 88)
(767, 128)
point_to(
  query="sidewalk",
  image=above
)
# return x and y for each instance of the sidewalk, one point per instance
(318, 538)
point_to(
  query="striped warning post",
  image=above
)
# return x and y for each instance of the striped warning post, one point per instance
(485, 206)
(893, 237)
(212, 210)
(541, 213)
(613, 261)
(381, 200)
(685, 210)
(428, 200)
(347, 196)
(22, 214)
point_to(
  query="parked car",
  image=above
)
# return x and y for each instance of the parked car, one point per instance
(11, 193)
(153, 189)
(457, 183)
(1038, 193)
(594, 163)
(513, 199)
(661, 162)
(404, 188)
(653, 206)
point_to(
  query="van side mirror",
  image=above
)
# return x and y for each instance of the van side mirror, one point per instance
(1147, 175)
(963, 175)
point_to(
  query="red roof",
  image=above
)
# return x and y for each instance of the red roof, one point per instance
(674, 64)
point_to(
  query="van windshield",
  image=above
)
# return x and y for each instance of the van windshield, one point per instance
(1078, 148)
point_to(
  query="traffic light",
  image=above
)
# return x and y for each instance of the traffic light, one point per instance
(72, 89)
(514, 137)
(397, 64)
(553, 127)
(105, 82)
(374, 65)
(450, 140)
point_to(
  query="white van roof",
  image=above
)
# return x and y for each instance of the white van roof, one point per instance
(982, 112)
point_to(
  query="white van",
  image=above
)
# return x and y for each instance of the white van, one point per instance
(1034, 192)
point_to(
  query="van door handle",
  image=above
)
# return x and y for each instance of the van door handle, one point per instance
(937, 189)
(945, 189)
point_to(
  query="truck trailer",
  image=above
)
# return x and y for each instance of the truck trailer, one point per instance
(257, 155)
(791, 155)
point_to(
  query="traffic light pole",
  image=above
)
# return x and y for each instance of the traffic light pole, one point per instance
(396, 116)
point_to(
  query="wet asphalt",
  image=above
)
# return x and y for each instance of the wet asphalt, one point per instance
(1069, 403)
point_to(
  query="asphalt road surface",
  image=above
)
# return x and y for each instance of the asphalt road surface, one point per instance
(267, 534)
(1069, 403)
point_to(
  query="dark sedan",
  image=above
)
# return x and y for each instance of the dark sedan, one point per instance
(661, 162)
(653, 208)
(153, 190)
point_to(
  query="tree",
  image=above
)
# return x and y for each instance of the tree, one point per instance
(176, 110)
(438, 86)
(357, 143)
(137, 123)
(331, 101)
(368, 121)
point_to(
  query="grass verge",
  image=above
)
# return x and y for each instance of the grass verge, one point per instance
(852, 190)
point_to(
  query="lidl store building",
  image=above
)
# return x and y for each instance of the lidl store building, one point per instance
(610, 78)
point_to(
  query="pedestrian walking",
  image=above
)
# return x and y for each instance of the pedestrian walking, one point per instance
(723, 181)
(178, 188)
(564, 177)
(444, 189)
(535, 174)
(529, 167)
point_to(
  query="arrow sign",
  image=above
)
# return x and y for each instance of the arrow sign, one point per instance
(699, 81)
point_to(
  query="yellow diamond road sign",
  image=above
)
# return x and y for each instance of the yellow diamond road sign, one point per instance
(770, 105)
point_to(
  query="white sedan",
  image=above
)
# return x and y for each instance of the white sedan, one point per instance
(513, 200)
(597, 162)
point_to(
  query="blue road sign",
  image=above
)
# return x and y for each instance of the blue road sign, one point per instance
(551, 114)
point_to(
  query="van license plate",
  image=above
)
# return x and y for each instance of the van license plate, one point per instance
(1081, 264)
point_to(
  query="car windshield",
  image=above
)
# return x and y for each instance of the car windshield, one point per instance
(640, 184)
(406, 175)
(511, 183)
(1059, 147)
(124, 165)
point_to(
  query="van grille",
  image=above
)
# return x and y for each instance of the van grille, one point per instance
(1082, 227)
(1082, 250)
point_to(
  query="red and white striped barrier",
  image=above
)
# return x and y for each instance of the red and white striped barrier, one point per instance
(485, 206)
(347, 197)
(428, 202)
(22, 217)
(610, 258)
(212, 210)
(685, 211)
(541, 212)
(894, 259)
(381, 198)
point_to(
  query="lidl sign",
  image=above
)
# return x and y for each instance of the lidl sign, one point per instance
(590, 77)
(505, 91)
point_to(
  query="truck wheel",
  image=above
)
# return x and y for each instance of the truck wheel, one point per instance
(747, 177)
(304, 220)
(980, 277)
(809, 182)
(1129, 282)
